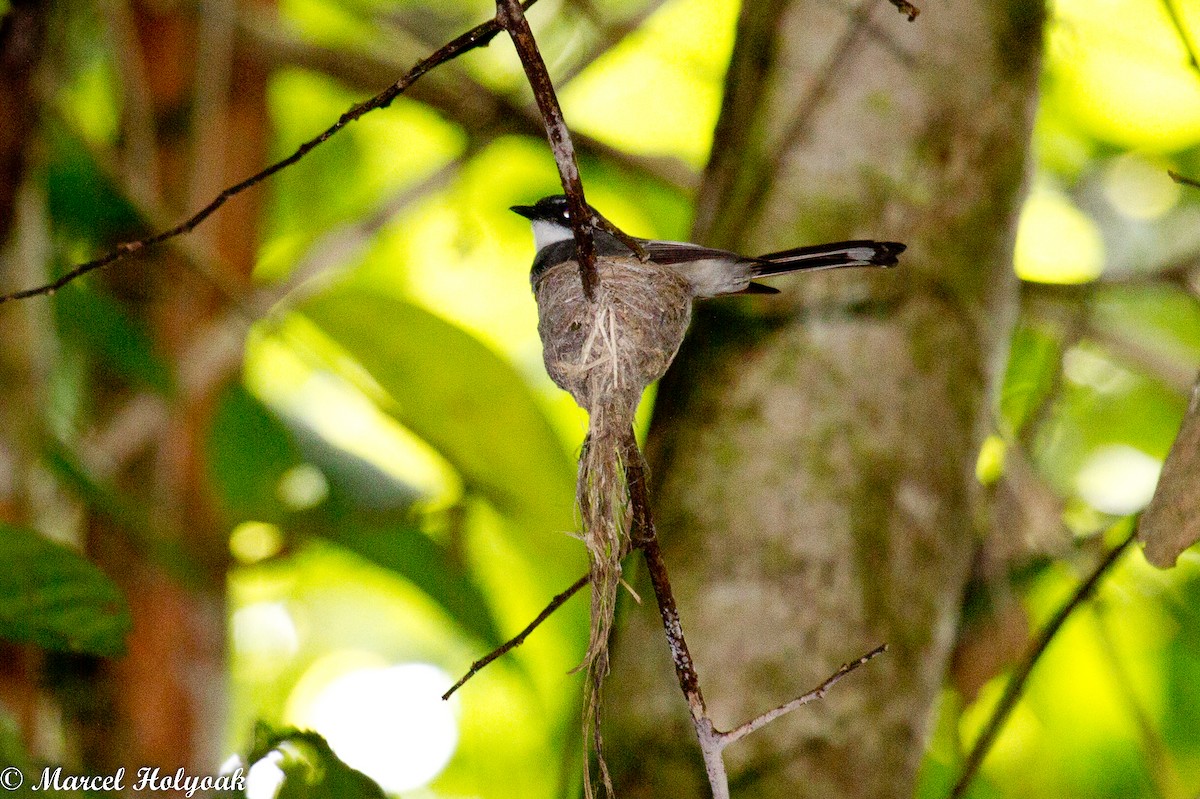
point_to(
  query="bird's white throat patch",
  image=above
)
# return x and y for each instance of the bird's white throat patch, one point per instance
(546, 233)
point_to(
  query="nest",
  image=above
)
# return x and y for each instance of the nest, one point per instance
(604, 353)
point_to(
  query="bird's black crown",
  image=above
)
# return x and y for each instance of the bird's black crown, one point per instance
(551, 209)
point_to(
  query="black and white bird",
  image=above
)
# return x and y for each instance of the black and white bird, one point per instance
(709, 272)
(607, 347)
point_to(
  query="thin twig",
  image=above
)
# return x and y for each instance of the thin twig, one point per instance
(479, 36)
(906, 8)
(1177, 21)
(484, 112)
(740, 732)
(601, 221)
(519, 639)
(1183, 179)
(512, 18)
(1016, 683)
(712, 741)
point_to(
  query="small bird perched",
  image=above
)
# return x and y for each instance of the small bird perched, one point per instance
(606, 350)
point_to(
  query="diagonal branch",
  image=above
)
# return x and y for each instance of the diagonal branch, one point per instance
(1016, 683)
(712, 741)
(740, 732)
(479, 36)
(511, 16)
(520, 637)
(1177, 20)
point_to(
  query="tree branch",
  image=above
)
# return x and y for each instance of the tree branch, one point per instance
(482, 111)
(520, 637)
(1177, 21)
(1184, 179)
(712, 741)
(479, 36)
(1016, 683)
(510, 15)
(738, 733)
(906, 8)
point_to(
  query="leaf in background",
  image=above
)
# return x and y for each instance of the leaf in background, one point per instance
(366, 510)
(353, 481)
(249, 450)
(52, 597)
(466, 402)
(1033, 362)
(82, 200)
(311, 768)
(98, 324)
(1171, 523)
(407, 551)
(124, 511)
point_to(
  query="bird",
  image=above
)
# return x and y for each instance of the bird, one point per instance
(708, 272)
(606, 346)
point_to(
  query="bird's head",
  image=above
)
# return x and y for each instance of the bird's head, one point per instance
(551, 219)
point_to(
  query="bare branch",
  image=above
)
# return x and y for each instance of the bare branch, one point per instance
(479, 36)
(740, 732)
(906, 8)
(1016, 683)
(519, 639)
(1175, 176)
(482, 111)
(512, 18)
(1193, 61)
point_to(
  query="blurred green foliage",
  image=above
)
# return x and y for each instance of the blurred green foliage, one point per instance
(53, 597)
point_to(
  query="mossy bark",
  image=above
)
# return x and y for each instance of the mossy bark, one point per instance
(814, 453)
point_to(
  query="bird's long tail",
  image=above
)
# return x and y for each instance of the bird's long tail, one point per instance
(838, 255)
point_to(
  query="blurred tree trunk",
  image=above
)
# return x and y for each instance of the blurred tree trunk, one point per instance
(814, 453)
(22, 39)
(203, 126)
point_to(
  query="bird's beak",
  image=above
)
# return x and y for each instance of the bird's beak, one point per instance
(526, 211)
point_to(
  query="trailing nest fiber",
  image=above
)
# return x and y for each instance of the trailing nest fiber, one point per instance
(605, 352)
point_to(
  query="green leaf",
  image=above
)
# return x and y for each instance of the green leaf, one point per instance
(83, 201)
(99, 324)
(52, 597)
(466, 402)
(1033, 364)
(367, 511)
(311, 768)
(249, 451)
(407, 551)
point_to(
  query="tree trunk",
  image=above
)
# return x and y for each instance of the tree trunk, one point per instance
(814, 453)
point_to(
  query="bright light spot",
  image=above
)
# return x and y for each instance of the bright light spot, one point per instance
(1138, 188)
(264, 777)
(1086, 368)
(303, 487)
(336, 410)
(251, 542)
(990, 464)
(1118, 479)
(1056, 242)
(389, 723)
(1124, 74)
(659, 91)
(231, 764)
(265, 630)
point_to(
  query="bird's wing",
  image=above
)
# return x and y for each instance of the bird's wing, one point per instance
(678, 252)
